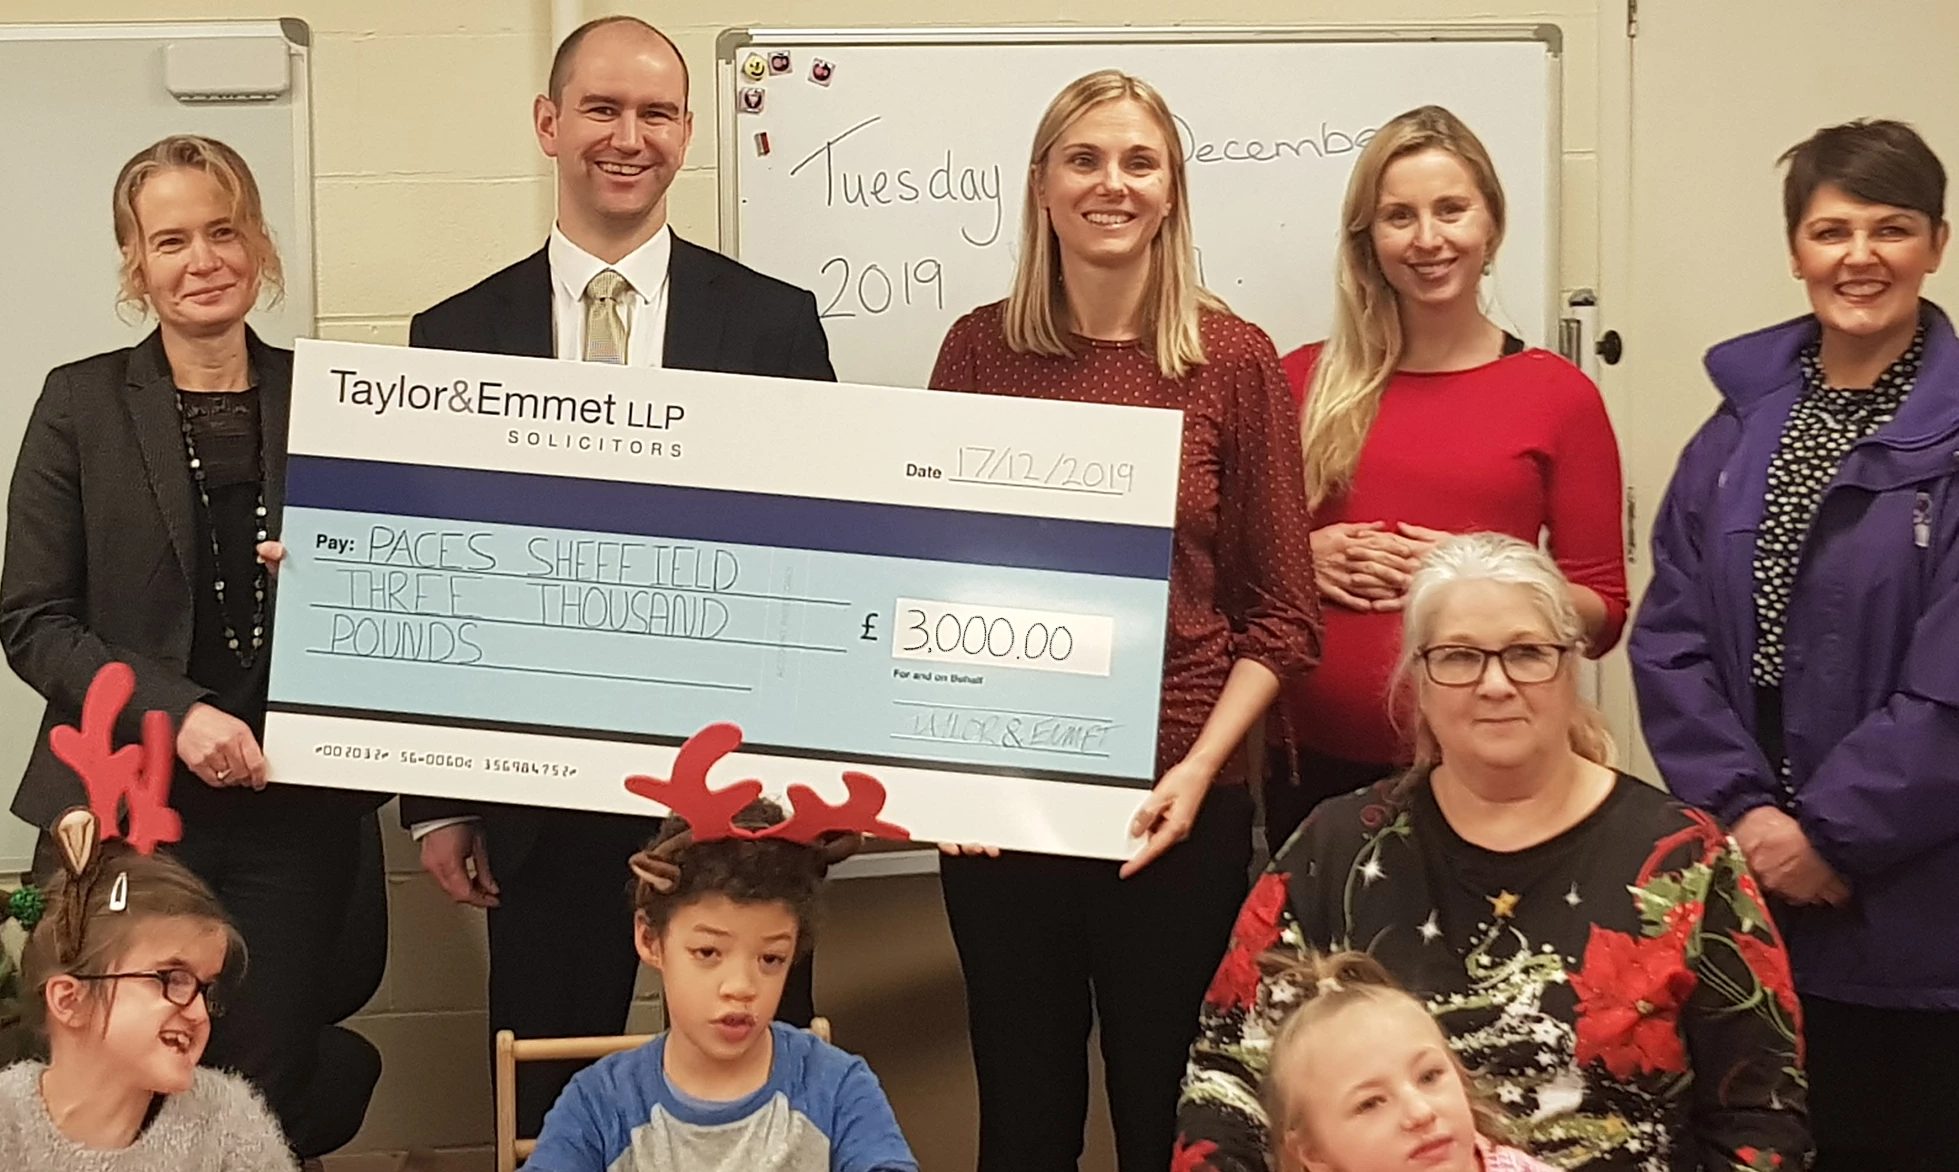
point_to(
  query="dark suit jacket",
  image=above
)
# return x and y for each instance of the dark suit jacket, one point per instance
(721, 315)
(102, 544)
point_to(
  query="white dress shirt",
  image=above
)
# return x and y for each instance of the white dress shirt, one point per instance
(572, 268)
(645, 308)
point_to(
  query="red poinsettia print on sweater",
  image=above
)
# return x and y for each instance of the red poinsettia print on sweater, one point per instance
(1257, 930)
(1619, 989)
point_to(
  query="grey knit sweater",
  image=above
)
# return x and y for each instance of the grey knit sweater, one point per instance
(219, 1125)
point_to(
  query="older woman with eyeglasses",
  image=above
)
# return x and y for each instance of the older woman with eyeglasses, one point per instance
(1596, 952)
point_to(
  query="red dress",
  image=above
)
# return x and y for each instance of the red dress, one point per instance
(1520, 446)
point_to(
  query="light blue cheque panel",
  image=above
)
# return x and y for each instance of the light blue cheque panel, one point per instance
(628, 636)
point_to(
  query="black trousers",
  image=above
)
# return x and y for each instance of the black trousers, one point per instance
(285, 866)
(1883, 1086)
(562, 961)
(1298, 780)
(1052, 945)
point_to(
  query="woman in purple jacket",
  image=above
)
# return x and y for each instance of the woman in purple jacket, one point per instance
(1797, 654)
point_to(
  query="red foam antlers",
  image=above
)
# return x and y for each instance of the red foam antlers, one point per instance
(710, 812)
(135, 776)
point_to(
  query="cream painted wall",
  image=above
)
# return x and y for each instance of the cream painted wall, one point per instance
(428, 179)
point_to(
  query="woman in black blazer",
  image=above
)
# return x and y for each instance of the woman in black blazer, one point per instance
(140, 528)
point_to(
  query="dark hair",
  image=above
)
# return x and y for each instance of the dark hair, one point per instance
(567, 54)
(79, 934)
(1879, 161)
(745, 870)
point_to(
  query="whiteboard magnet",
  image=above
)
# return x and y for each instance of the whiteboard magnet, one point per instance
(761, 142)
(751, 99)
(779, 61)
(227, 69)
(754, 68)
(820, 71)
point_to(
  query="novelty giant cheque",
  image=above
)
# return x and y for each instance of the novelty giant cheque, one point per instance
(519, 580)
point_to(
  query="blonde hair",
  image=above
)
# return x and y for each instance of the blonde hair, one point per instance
(1173, 307)
(1364, 348)
(222, 164)
(1491, 557)
(1319, 987)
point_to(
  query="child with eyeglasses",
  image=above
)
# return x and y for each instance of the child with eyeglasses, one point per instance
(117, 979)
(118, 976)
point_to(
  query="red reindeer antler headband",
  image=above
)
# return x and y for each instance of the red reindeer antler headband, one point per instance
(710, 813)
(834, 831)
(134, 777)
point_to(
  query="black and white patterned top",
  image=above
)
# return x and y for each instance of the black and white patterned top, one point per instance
(1825, 424)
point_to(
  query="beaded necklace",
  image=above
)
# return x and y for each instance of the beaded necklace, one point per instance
(245, 657)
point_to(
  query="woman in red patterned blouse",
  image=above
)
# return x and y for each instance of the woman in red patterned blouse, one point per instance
(1106, 308)
(1422, 418)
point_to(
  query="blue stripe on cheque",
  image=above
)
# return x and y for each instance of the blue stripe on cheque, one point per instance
(703, 514)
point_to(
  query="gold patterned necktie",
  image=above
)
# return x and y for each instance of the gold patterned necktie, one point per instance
(605, 318)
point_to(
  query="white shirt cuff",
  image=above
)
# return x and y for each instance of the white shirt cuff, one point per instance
(421, 830)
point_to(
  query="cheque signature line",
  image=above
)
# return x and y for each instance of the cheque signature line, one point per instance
(1006, 711)
(1032, 484)
(996, 745)
(483, 618)
(539, 671)
(515, 576)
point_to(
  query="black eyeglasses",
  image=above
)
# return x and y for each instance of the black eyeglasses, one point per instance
(180, 986)
(1456, 665)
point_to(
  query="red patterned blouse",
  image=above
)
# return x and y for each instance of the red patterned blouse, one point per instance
(1241, 570)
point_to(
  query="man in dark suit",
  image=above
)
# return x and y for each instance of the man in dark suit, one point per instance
(613, 284)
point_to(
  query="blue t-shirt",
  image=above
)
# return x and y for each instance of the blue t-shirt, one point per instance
(822, 1110)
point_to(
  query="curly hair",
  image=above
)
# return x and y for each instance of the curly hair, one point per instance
(674, 872)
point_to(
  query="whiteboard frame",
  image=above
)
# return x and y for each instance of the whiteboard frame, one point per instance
(732, 42)
(299, 48)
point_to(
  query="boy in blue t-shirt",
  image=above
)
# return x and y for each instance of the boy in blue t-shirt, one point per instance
(725, 1089)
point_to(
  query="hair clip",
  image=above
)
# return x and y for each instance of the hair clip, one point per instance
(1331, 985)
(119, 894)
(710, 813)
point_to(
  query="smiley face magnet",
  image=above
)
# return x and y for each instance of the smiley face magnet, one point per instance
(754, 67)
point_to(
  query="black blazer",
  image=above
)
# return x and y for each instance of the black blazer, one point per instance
(721, 315)
(102, 545)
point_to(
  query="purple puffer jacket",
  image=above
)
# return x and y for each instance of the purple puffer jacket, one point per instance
(1871, 665)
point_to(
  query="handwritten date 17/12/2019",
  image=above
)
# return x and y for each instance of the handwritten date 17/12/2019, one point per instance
(980, 464)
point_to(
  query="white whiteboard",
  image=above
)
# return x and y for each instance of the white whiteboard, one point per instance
(81, 99)
(894, 191)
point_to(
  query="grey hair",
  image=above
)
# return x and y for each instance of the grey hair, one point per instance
(1490, 557)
